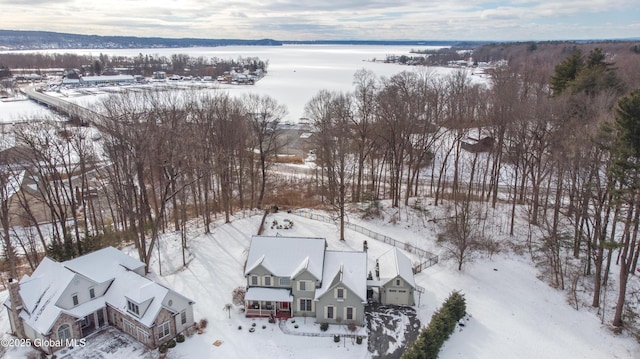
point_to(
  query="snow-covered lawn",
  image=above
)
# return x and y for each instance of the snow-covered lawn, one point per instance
(513, 313)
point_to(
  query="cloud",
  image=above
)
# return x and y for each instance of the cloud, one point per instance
(329, 19)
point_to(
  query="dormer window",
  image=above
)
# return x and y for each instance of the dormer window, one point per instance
(92, 293)
(133, 308)
(267, 281)
(398, 282)
(340, 293)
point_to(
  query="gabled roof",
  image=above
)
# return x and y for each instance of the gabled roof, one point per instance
(139, 289)
(348, 269)
(394, 263)
(40, 291)
(101, 265)
(286, 256)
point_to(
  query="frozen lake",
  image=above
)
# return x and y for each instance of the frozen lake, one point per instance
(295, 73)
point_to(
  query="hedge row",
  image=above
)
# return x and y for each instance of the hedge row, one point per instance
(442, 324)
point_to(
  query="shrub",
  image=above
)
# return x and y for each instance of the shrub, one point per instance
(239, 327)
(163, 348)
(180, 338)
(358, 340)
(296, 326)
(203, 323)
(439, 329)
(336, 338)
(264, 327)
(237, 296)
(352, 327)
(324, 326)
(171, 343)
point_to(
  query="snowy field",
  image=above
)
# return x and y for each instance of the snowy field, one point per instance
(19, 111)
(513, 313)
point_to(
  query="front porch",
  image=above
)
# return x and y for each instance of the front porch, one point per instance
(267, 303)
(93, 322)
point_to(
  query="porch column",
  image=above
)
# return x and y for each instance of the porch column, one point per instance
(96, 325)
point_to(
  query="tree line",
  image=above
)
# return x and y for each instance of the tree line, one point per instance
(142, 64)
(562, 148)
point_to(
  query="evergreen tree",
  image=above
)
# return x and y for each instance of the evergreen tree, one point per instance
(566, 72)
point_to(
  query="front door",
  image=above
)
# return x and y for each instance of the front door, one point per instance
(284, 306)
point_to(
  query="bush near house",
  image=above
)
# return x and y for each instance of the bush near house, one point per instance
(442, 324)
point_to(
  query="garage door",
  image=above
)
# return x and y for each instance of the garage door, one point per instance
(398, 296)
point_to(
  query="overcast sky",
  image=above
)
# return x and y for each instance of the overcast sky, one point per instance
(331, 19)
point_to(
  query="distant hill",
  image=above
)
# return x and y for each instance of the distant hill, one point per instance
(465, 44)
(37, 40)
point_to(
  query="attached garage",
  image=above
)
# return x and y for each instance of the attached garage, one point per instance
(399, 297)
(394, 277)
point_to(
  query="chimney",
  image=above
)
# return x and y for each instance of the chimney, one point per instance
(16, 305)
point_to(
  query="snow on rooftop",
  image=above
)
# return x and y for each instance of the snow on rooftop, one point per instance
(139, 289)
(13, 184)
(269, 294)
(107, 78)
(284, 256)
(41, 291)
(395, 263)
(101, 265)
(350, 267)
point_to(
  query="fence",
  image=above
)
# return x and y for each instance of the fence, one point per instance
(427, 259)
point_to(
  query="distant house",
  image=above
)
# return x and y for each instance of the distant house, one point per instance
(106, 80)
(62, 302)
(159, 75)
(293, 276)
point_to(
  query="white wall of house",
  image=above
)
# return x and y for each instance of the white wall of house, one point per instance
(180, 305)
(79, 286)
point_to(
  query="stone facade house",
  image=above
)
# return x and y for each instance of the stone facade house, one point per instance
(62, 302)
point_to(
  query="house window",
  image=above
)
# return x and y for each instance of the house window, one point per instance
(267, 281)
(340, 293)
(164, 330)
(74, 298)
(349, 313)
(64, 332)
(133, 308)
(305, 285)
(305, 305)
(285, 282)
(330, 312)
(254, 280)
(92, 293)
(398, 282)
(183, 317)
